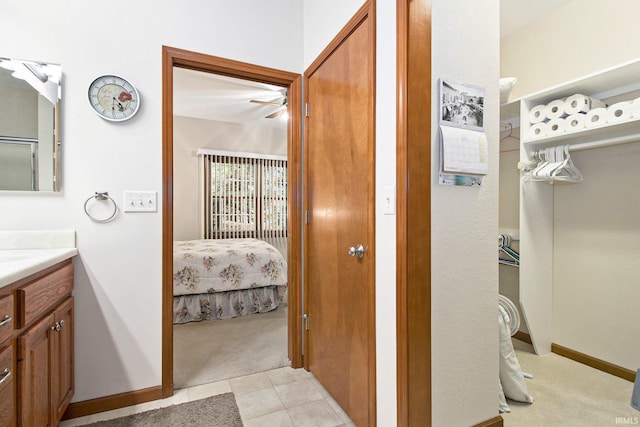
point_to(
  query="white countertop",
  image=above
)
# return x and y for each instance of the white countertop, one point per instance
(23, 253)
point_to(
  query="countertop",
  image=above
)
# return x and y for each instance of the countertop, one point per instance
(25, 253)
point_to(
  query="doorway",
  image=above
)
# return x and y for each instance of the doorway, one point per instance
(178, 58)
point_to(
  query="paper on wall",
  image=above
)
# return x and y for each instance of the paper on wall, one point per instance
(464, 151)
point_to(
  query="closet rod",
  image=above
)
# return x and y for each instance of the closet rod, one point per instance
(604, 143)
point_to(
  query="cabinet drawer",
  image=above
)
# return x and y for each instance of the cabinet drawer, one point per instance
(7, 390)
(6, 317)
(37, 298)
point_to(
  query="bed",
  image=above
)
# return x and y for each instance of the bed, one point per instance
(223, 278)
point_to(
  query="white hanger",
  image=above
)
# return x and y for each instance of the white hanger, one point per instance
(567, 171)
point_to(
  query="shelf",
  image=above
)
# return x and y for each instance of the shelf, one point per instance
(607, 134)
(606, 83)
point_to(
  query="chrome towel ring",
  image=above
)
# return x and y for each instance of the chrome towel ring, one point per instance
(103, 195)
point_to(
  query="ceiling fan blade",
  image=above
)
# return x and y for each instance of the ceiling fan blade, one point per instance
(256, 101)
(276, 113)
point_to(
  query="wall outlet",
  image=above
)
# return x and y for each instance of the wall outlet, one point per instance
(140, 201)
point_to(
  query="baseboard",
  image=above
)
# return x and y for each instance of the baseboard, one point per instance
(523, 336)
(493, 422)
(596, 363)
(108, 403)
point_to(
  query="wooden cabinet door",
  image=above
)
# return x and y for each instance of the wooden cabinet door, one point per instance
(7, 389)
(62, 360)
(33, 374)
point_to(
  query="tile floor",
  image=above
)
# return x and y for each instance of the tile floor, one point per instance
(282, 397)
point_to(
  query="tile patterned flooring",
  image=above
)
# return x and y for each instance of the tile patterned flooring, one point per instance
(282, 397)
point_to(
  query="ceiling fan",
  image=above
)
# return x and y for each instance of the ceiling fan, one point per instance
(280, 102)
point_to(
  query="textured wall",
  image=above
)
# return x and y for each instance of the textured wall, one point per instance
(464, 229)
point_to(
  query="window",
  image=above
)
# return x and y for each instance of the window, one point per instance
(245, 197)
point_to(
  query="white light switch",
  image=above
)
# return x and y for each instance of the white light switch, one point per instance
(140, 201)
(389, 200)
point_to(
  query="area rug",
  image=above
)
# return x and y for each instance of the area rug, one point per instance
(214, 411)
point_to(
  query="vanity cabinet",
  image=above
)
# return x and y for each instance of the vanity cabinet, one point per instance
(39, 350)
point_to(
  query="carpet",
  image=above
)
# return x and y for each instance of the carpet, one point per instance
(215, 411)
(214, 350)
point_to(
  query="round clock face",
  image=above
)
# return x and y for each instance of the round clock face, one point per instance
(113, 98)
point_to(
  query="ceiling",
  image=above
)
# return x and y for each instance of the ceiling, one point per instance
(209, 96)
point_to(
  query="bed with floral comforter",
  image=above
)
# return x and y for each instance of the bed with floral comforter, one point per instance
(222, 278)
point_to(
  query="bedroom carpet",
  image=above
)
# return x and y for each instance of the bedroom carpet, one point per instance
(215, 411)
(567, 393)
(214, 350)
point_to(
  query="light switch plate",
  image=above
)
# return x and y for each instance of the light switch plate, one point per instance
(389, 200)
(140, 201)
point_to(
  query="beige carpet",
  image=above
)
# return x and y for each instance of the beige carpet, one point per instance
(214, 350)
(215, 411)
(568, 393)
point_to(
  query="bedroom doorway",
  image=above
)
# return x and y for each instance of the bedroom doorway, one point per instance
(177, 62)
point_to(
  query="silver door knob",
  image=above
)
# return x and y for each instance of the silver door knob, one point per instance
(356, 251)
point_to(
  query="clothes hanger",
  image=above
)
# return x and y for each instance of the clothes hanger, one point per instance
(510, 134)
(542, 172)
(541, 155)
(503, 245)
(567, 171)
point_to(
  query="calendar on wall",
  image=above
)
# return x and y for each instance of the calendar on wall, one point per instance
(463, 143)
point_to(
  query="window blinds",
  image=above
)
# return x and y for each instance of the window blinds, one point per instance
(245, 197)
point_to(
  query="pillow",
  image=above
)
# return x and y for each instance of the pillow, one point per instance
(506, 84)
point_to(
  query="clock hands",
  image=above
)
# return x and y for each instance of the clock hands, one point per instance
(120, 106)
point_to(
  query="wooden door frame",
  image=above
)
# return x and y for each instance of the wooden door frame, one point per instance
(366, 12)
(174, 57)
(413, 204)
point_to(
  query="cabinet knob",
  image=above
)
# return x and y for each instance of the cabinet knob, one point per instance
(56, 327)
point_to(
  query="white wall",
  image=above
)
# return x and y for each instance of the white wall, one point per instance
(596, 234)
(464, 228)
(118, 270)
(570, 42)
(189, 134)
(596, 252)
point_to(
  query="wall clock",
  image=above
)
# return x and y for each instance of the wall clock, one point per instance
(113, 98)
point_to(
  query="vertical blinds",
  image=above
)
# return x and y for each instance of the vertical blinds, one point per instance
(245, 197)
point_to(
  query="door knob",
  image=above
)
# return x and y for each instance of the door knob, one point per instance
(357, 251)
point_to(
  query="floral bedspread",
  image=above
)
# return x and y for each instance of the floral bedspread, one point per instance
(218, 265)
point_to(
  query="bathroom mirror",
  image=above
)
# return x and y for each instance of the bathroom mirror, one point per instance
(29, 132)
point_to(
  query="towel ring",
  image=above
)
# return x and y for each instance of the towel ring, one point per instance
(103, 195)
